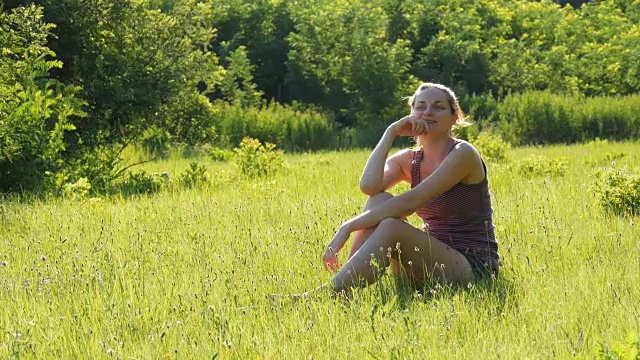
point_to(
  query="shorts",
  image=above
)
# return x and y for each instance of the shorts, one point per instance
(481, 270)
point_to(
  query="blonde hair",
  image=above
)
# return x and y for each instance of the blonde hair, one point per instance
(453, 103)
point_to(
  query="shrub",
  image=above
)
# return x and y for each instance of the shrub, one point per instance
(613, 156)
(618, 191)
(221, 155)
(467, 133)
(491, 146)
(540, 117)
(155, 141)
(291, 128)
(36, 112)
(257, 160)
(195, 175)
(542, 166)
(629, 349)
(143, 183)
(77, 190)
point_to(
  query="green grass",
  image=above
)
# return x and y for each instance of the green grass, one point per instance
(186, 274)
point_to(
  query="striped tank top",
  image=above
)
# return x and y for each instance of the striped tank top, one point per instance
(461, 217)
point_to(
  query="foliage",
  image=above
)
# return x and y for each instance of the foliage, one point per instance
(155, 141)
(36, 112)
(341, 60)
(618, 191)
(541, 166)
(99, 166)
(146, 73)
(141, 182)
(221, 155)
(134, 63)
(257, 160)
(189, 120)
(195, 175)
(491, 146)
(625, 350)
(463, 39)
(237, 85)
(543, 117)
(77, 190)
(290, 127)
(467, 133)
(261, 27)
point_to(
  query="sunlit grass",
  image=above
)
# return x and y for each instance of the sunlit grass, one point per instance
(186, 274)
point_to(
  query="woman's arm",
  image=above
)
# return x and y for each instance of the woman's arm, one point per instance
(455, 167)
(380, 173)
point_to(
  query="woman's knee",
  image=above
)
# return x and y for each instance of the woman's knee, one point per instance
(377, 199)
(388, 229)
(391, 224)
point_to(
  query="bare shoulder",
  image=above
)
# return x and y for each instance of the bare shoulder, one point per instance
(466, 148)
(471, 157)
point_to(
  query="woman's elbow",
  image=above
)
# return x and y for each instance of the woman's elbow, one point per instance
(369, 189)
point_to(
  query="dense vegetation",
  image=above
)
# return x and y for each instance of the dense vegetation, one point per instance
(80, 82)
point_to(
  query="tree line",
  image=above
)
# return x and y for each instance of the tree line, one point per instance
(80, 81)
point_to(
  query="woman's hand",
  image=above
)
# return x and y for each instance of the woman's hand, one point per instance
(409, 125)
(330, 257)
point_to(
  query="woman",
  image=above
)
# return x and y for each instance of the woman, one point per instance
(449, 191)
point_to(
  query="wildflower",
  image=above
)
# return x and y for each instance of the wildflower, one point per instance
(417, 249)
(410, 263)
(110, 351)
(43, 258)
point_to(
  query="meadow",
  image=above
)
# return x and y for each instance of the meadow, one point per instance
(188, 274)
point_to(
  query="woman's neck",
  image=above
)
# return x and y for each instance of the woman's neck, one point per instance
(436, 147)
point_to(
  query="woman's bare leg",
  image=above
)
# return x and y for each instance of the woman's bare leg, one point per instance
(420, 254)
(361, 236)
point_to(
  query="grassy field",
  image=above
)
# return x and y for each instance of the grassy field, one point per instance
(186, 274)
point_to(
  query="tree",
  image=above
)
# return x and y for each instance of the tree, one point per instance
(35, 111)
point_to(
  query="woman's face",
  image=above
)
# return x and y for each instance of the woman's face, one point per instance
(431, 105)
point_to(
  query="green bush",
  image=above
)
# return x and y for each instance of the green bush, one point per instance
(541, 117)
(257, 160)
(491, 146)
(36, 112)
(221, 155)
(467, 133)
(77, 190)
(541, 166)
(143, 183)
(195, 175)
(618, 191)
(628, 349)
(292, 129)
